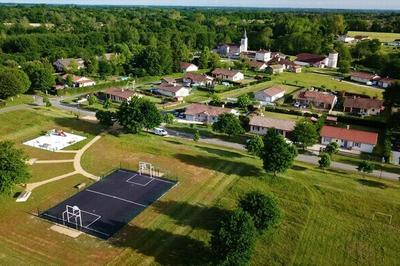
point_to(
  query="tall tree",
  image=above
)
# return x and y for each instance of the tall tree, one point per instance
(40, 75)
(278, 155)
(229, 124)
(13, 82)
(305, 134)
(13, 169)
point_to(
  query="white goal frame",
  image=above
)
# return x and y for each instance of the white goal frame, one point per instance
(146, 168)
(382, 215)
(72, 215)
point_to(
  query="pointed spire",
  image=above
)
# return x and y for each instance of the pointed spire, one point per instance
(245, 34)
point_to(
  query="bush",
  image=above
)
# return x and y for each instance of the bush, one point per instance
(105, 118)
(263, 209)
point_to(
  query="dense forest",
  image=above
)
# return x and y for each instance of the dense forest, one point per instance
(152, 41)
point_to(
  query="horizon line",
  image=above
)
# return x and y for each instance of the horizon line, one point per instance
(205, 6)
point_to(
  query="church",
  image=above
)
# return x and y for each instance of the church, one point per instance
(233, 49)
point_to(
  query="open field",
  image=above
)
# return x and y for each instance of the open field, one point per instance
(308, 79)
(19, 99)
(282, 116)
(327, 215)
(382, 36)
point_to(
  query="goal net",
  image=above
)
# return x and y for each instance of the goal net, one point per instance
(146, 169)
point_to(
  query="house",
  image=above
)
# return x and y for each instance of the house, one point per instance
(287, 64)
(168, 80)
(188, 67)
(365, 77)
(386, 82)
(347, 138)
(269, 95)
(345, 38)
(263, 55)
(232, 49)
(64, 64)
(257, 65)
(276, 69)
(173, 90)
(295, 69)
(395, 158)
(362, 106)
(119, 94)
(197, 80)
(260, 125)
(205, 113)
(359, 38)
(318, 99)
(79, 82)
(226, 74)
(320, 61)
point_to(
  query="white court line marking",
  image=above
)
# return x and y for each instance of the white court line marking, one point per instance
(162, 180)
(139, 184)
(91, 229)
(115, 197)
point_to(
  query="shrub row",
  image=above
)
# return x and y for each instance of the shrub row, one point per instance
(91, 89)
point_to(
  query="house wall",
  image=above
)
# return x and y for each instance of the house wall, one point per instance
(395, 157)
(263, 130)
(361, 80)
(182, 93)
(191, 68)
(263, 57)
(347, 144)
(238, 76)
(202, 118)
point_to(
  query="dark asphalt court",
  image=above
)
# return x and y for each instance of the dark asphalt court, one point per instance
(108, 205)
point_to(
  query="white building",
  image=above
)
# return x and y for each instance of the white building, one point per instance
(226, 74)
(269, 95)
(233, 49)
(263, 55)
(173, 90)
(351, 139)
(206, 113)
(345, 39)
(188, 67)
(320, 61)
(260, 125)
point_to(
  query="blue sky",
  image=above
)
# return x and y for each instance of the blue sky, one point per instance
(346, 4)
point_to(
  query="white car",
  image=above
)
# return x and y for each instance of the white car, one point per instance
(159, 131)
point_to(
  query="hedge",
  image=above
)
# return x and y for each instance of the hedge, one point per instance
(102, 86)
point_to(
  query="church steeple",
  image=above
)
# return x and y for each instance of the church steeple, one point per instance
(244, 42)
(245, 34)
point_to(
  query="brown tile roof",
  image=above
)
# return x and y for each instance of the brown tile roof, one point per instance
(364, 75)
(170, 87)
(363, 103)
(185, 65)
(317, 96)
(358, 136)
(225, 72)
(119, 92)
(198, 77)
(272, 91)
(268, 122)
(256, 64)
(197, 108)
(310, 58)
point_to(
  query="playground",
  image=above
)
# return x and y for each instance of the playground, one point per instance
(106, 206)
(54, 140)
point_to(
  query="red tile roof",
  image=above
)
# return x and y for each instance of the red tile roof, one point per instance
(225, 72)
(317, 96)
(272, 91)
(310, 58)
(170, 87)
(185, 65)
(269, 122)
(363, 103)
(198, 77)
(256, 64)
(358, 136)
(119, 92)
(198, 108)
(364, 75)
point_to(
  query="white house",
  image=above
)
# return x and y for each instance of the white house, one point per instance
(176, 91)
(263, 55)
(119, 94)
(276, 69)
(197, 80)
(188, 67)
(351, 139)
(365, 77)
(226, 74)
(320, 61)
(79, 82)
(260, 125)
(269, 95)
(64, 64)
(232, 49)
(206, 113)
(345, 38)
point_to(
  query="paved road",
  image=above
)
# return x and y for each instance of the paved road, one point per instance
(305, 158)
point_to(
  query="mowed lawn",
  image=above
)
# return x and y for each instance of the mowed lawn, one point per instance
(308, 79)
(327, 216)
(382, 36)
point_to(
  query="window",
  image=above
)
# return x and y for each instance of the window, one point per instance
(356, 144)
(328, 140)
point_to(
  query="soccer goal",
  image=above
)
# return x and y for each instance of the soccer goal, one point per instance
(72, 215)
(382, 217)
(146, 168)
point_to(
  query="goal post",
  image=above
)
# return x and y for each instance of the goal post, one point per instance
(72, 215)
(146, 168)
(379, 216)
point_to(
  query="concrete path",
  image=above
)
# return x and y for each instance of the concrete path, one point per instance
(77, 166)
(305, 158)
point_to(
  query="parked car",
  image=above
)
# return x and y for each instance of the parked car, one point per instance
(296, 104)
(159, 131)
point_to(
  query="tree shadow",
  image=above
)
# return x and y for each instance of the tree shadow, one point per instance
(79, 125)
(195, 216)
(372, 183)
(220, 165)
(220, 152)
(298, 168)
(173, 141)
(165, 247)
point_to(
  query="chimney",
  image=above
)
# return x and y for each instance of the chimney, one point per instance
(348, 127)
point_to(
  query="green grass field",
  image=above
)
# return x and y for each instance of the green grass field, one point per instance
(327, 215)
(19, 99)
(382, 36)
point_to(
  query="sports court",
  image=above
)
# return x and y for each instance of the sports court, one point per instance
(106, 206)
